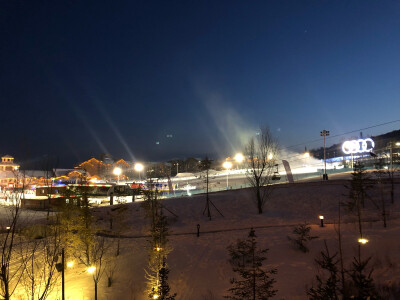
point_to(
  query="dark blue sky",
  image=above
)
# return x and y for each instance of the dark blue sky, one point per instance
(78, 78)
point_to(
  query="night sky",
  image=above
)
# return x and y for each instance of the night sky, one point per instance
(78, 78)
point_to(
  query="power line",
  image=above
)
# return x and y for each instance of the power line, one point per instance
(337, 135)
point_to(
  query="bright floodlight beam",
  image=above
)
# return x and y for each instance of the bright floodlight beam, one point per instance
(117, 171)
(227, 165)
(138, 168)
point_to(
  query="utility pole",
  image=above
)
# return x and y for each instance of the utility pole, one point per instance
(324, 133)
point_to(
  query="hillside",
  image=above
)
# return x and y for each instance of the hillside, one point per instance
(198, 265)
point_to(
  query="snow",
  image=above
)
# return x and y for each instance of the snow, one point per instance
(199, 265)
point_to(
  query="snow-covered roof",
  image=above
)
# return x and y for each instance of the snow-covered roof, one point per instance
(62, 172)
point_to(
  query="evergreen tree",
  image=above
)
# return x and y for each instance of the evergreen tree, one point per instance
(326, 289)
(205, 166)
(302, 237)
(360, 183)
(246, 261)
(362, 281)
(164, 286)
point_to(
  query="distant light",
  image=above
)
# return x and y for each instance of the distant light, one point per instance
(270, 156)
(321, 217)
(306, 155)
(158, 249)
(91, 269)
(117, 171)
(138, 167)
(155, 296)
(157, 143)
(169, 135)
(227, 165)
(239, 157)
(363, 241)
(398, 144)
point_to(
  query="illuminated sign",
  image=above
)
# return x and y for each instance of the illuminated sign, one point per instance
(358, 146)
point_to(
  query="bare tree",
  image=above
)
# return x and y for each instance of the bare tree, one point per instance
(261, 160)
(39, 258)
(10, 225)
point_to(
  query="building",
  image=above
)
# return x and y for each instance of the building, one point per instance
(7, 163)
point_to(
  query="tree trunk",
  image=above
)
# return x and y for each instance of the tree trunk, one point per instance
(259, 201)
(341, 254)
(95, 290)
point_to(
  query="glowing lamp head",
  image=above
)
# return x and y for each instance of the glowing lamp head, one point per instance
(138, 167)
(227, 165)
(155, 296)
(117, 171)
(398, 144)
(270, 156)
(321, 217)
(307, 155)
(239, 157)
(70, 264)
(363, 241)
(91, 269)
(158, 249)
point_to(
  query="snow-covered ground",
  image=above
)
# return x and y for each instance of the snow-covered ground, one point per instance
(199, 265)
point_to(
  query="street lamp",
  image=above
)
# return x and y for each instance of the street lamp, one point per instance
(117, 171)
(362, 241)
(325, 133)
(239, 158)
(139, 168)
(227, 165)
(322, 220)
(61, 268)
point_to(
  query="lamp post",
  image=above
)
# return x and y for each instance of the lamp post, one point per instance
(139, 168)
(117, 171)
(325, 133)
(61, 268)
(322, 220)
(239, 158)
(91, 271)
(227, 165)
